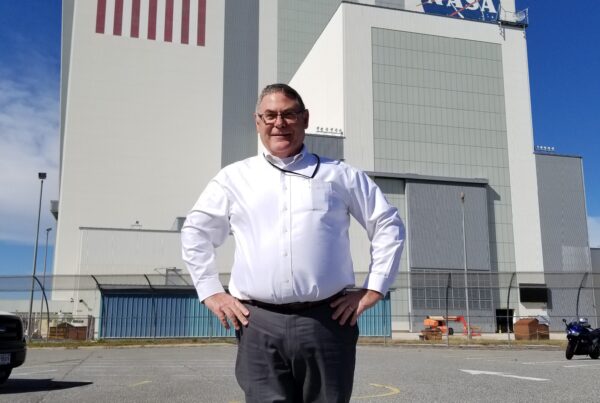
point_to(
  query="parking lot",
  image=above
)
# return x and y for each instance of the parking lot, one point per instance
(204, 373)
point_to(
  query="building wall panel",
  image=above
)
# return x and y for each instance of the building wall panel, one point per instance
(160, 315)
(173, 315)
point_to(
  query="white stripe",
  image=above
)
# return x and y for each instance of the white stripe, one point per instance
(160, 20)
(177, 10)
(144, 11)
(581, 365)
(543, 362)
(193, 22)
(35, 372)
(109, 21)
(502, 374)
(127, 6)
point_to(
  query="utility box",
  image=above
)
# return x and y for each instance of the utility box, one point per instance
(531, 329)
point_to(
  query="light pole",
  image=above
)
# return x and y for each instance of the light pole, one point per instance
(44, 276)
(464, 233)
(41, 177)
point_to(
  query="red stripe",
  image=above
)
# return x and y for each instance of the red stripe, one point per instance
(100, 16)
(169, 21)
(118, 27)
(201, 21)
(135, 19)
(152, 20)
(185, 22)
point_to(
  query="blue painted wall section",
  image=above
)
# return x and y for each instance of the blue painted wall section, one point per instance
(157, 315)
(179, 314)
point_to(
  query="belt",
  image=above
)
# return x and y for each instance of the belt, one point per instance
(293, 307)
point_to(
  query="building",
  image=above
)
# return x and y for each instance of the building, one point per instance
(430, 97)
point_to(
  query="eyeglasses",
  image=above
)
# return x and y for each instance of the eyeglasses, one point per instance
(269, 118)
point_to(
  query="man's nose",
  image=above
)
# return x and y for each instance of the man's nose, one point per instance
(280, 121)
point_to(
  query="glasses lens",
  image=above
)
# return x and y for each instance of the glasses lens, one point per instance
(270, 117)
(289, 117)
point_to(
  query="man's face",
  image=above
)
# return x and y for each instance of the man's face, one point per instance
(283, 137)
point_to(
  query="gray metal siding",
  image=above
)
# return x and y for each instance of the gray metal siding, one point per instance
(435, 230)
(595, 257)
(432, 291)
(563, 222)
(438, 106)
(325, 146)
(563, 217)
(299, 25)
(240, 80)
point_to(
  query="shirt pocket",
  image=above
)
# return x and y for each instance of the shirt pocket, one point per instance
(314, 196)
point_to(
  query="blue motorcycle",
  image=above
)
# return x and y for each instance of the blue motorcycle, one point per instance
(583, 340)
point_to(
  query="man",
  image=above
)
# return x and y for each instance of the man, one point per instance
(289, 212)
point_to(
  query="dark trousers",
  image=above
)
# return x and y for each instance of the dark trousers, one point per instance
(296, 357)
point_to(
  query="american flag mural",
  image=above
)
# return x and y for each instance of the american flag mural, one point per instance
(175, 21)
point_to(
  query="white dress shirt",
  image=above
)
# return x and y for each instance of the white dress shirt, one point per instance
(291, 231)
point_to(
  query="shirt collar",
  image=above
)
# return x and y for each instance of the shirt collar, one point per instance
(284, 162)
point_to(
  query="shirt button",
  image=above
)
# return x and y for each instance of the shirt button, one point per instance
(284, 253)
(284, 230)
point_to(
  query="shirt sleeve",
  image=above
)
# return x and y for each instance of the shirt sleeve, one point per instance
(384, 229)
(206, 227)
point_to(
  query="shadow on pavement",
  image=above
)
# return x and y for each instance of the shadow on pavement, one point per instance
(37, 385)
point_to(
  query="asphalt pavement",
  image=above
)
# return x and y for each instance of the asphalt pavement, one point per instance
(204, 373)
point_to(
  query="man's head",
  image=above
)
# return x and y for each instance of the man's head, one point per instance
(281, 120)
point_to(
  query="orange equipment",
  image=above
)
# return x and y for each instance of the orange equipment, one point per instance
(441, 323)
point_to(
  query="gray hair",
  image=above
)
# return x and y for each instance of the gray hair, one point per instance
(283, 88)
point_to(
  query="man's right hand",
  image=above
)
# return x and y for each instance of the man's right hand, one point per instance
(224, 306)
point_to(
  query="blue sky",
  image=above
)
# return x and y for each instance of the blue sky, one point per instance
(564, 66)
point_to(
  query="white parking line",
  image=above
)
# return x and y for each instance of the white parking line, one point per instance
(488, 358)
(581, 365)
(46, 365)
(33, 373)
(543, 362)
(502, 374)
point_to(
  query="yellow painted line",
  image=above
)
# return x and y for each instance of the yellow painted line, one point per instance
(139, 383)
(391, 391)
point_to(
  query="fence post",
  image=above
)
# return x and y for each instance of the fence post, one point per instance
(448, 286)
(578, 294)
(47, 309)
(507, 307)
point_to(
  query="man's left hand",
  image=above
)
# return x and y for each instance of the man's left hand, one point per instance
(353, 304)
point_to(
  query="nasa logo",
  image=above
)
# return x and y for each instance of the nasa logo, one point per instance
(486, 10)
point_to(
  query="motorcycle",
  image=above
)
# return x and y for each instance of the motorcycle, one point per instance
(582, 339)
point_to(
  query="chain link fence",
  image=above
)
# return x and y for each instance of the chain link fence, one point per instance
(71, 306)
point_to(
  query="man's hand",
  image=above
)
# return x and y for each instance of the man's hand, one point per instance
(353, 304)
(224, 306)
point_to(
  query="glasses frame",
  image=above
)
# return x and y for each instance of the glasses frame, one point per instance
(281, 115)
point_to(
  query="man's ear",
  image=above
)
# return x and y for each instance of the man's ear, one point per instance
(256, 120)
(306, 116)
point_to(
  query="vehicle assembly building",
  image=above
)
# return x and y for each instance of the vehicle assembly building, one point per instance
(431, 98)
